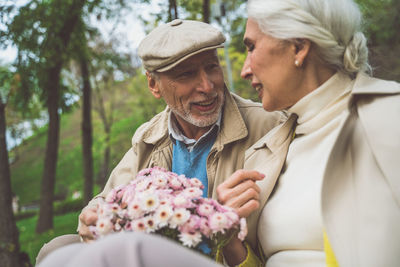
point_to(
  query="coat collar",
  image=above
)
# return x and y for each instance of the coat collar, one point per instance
(366, 85)
(232, 125)
(277, 136)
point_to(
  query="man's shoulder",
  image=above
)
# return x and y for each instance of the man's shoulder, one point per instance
(153, 129)
(254, 111)
(245, 103)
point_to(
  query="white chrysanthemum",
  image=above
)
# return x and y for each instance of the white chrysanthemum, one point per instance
(134, 210)
(205, 209)
(129, 194)
(139, 225)
(180, 216)
(193, 192)
(205, 227)
(233, 217)
(162, 215)
(151, 225)
(196, 182)
(185, 182)
(104, 226)
(142, 185)
(180, 201)
(160, 180)
(218, 222)
(175, 183)
(149, 201)
(190, 239)
(105, 211)
(111, 196)
(115, 208)
(243, 229)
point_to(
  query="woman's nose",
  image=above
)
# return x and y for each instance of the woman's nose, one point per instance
(246, 70)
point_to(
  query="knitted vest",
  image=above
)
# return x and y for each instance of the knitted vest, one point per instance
(193, 163)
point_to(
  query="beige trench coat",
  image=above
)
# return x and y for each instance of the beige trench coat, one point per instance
(361, 184)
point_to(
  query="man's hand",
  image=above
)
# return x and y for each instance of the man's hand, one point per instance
(87, 217)
(240, 192)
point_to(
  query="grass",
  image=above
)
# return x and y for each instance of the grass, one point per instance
(31, 242)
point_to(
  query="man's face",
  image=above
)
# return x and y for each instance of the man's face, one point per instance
(194, 90)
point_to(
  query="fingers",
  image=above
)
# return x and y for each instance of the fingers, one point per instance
(241, 192)
(87, 217)
(85, 234)
(245, 210)
(241, 175)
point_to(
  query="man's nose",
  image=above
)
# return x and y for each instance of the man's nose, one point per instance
(246, 70)
(206, 84)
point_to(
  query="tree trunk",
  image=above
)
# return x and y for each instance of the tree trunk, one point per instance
(206, 11)
(57, 43)
(45, 221)
(9, 245)
(87, 133)
(172, 10)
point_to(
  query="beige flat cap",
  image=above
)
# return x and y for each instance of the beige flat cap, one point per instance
(169, 44)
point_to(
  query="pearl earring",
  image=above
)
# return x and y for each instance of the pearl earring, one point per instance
(297, 63)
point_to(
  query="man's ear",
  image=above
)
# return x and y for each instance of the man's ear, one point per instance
(301, 49)
(153, 85)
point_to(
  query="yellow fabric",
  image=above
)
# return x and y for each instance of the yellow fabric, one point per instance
(330, 256)
(251, 259)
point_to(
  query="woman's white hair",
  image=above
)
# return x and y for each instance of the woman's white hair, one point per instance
(334, 26)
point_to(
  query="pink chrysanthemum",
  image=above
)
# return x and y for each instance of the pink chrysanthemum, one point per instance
(205, 209)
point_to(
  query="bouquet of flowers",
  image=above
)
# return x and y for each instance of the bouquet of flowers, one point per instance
(165, 203)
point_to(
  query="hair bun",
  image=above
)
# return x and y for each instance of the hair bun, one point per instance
(355, 56)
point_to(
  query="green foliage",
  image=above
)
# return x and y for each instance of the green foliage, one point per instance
(6, 81)
(382, 28)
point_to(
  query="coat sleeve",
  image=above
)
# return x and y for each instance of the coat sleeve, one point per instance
(124, 172)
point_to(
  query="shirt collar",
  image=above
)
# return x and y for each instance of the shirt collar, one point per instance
(176, 134)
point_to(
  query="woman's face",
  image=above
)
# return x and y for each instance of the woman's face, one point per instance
(270, 66)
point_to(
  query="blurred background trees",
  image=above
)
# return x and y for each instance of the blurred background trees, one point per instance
(75, 94)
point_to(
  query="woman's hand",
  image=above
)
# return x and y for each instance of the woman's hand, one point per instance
(240, 192)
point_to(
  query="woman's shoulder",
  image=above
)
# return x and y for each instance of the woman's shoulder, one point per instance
(367, 85)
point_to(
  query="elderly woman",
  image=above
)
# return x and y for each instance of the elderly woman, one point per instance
(331, 195)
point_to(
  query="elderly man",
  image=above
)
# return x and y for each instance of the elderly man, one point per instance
(203, 132)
